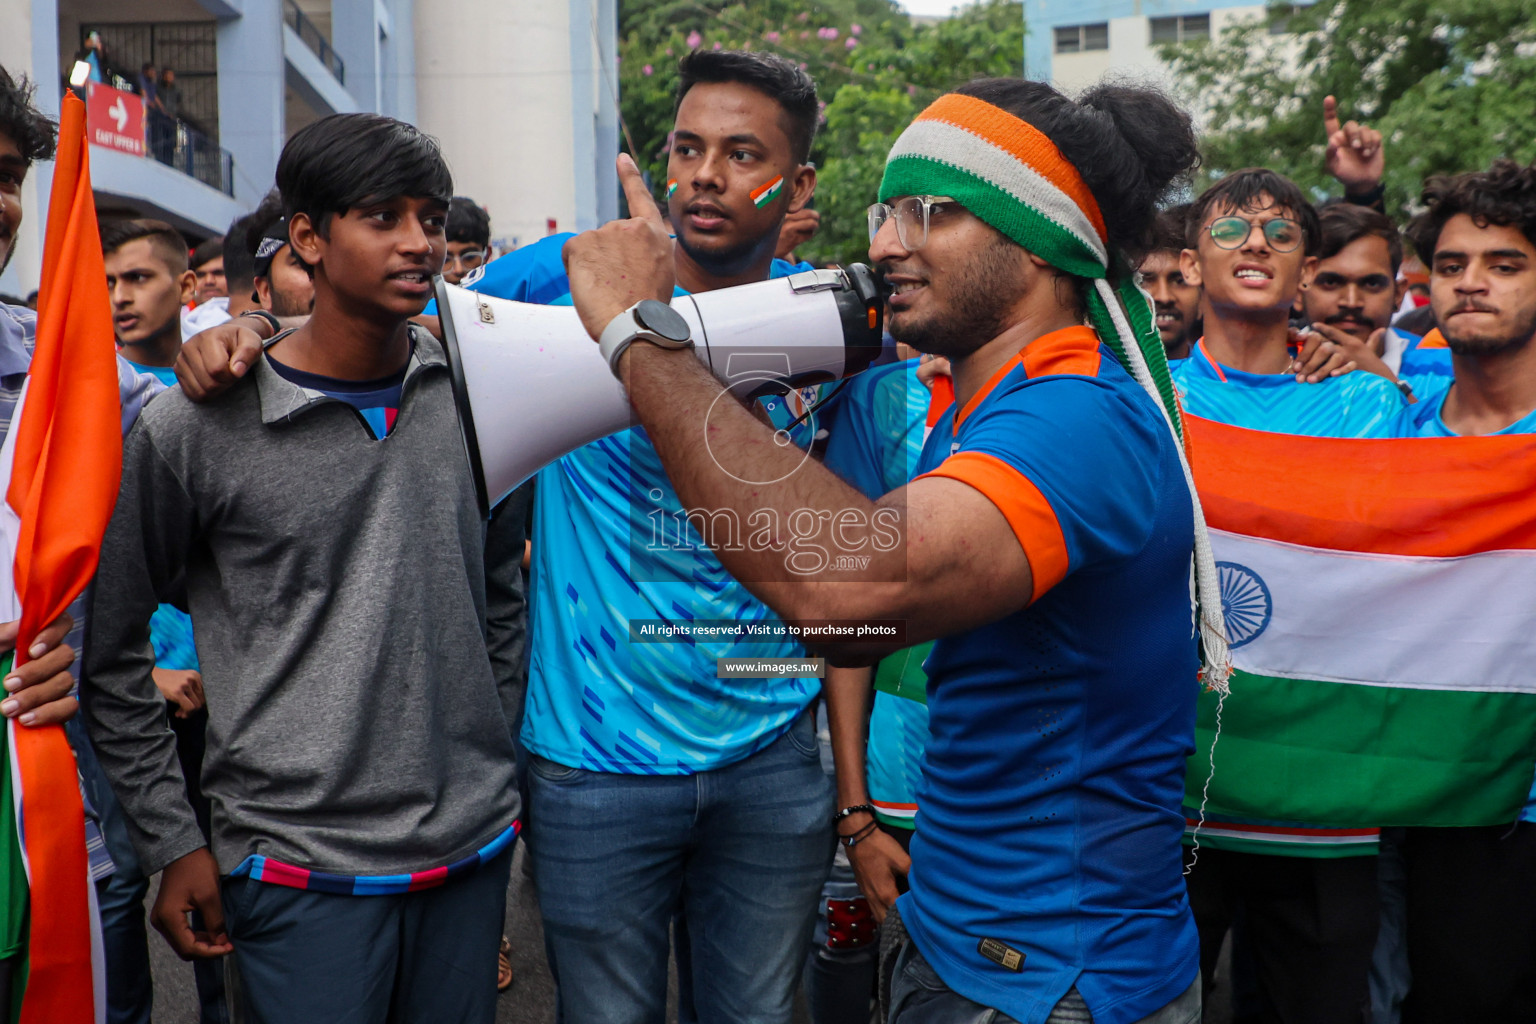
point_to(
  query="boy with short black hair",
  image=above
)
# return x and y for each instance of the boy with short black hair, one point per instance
(469, 239)
(359, 762)
(148, 280)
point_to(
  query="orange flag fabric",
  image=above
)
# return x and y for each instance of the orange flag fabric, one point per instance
(63, 486)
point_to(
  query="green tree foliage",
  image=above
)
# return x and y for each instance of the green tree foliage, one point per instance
(874, 68)
(1451, 84)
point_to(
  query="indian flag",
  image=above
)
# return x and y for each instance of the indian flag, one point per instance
(1379, 600)
(60, 466)
(767, 192)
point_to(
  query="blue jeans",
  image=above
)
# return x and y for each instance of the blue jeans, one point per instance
(739, 853)
(410, 958)
(919, 996)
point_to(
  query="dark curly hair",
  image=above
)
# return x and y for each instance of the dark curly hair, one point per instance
(34, 134)
(1504, 194)
(1132, 145)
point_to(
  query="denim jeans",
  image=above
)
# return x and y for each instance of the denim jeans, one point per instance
(738, 853)
(918, 996)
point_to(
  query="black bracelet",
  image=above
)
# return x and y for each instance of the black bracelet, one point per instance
(855, 809)
(858, 837)
(1375, 194)
(272, 321)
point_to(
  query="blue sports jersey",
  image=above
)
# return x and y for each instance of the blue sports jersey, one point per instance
(595, 699)
(1048, 817)
(1353, 405)
(170, 634)
(875, 437)
(164, 374)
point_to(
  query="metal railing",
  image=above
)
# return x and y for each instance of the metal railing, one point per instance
(316, 41)
(182, 147)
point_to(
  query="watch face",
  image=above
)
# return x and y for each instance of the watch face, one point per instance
(662, 319)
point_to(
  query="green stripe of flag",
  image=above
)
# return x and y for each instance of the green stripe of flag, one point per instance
(1348, 755)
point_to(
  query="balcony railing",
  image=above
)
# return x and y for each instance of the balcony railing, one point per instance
(180, 146)
(316, 41)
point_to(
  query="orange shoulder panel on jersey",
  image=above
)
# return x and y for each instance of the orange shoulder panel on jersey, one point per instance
(1028, 512)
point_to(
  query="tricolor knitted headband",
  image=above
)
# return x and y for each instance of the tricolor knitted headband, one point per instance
(1008, 173)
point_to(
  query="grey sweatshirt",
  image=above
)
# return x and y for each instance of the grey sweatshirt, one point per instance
(337, 591)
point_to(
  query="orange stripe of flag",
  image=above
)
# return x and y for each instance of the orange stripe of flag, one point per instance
(1433, 497)
(68, 459)
(1020, 139)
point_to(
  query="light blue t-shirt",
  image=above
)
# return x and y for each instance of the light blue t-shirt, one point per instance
(596, 699)
(1353, 405)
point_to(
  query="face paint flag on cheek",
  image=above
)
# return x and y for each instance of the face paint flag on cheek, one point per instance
(768, 192)
(671, 187)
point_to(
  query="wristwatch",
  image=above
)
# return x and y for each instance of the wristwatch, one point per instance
(647, 320)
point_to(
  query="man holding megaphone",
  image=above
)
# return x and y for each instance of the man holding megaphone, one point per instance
(1047, 543)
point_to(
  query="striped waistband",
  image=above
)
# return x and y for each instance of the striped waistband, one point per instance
(275, 872)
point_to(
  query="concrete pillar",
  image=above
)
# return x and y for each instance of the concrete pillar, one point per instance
(355, 38)
(251, 114)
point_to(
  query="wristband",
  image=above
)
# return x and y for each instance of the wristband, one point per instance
(1370, 197)
(271, 320)
(858, 837)
(849, 811)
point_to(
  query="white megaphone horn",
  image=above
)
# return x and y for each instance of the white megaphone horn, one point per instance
(531, 385)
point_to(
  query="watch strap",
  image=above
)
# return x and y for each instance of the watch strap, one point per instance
(623, 331)
(271, 321)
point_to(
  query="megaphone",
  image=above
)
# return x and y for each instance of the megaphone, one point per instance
(531, 385)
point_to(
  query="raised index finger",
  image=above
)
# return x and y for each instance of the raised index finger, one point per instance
(642, 205)
(1330, 115)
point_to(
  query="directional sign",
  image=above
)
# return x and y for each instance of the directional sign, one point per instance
(114, 119)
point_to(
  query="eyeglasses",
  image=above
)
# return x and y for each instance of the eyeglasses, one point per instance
(1282, 234)
(469, 259)
(913, 214)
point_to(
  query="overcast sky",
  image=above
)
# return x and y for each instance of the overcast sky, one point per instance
(929, 7)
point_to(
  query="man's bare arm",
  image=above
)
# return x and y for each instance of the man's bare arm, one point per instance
(958, 563)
